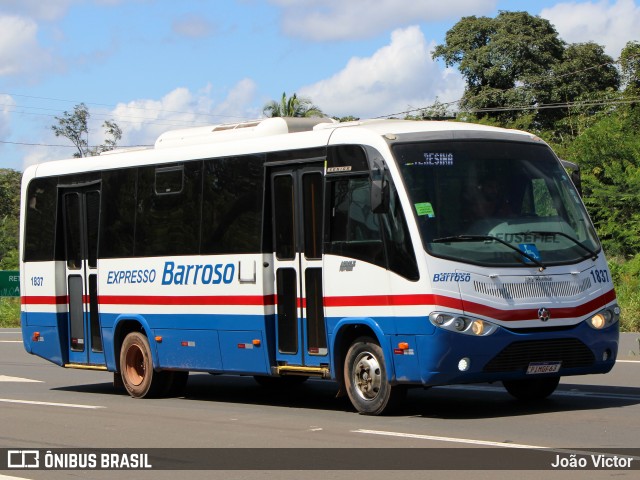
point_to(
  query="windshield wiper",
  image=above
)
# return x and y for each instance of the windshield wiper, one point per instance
(593, 254)
(482, 238)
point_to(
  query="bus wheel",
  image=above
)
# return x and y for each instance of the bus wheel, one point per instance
(531, 389)
(366, 381)
(136, 368)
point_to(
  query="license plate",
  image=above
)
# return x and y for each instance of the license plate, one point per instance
(543, 367)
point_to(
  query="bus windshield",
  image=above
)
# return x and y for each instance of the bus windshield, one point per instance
(495, 203)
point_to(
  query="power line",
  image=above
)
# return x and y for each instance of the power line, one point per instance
(106, 105)
(64, 146)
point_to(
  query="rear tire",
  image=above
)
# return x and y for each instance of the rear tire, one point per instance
(136, 368)
(365, 376)
(531, 389)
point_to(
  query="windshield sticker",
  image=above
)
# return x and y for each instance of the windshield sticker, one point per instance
(531, 250)
(425, 208)
(434, 159)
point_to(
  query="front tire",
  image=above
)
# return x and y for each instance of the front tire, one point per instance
(531, 389)
(365, 375)
(136, 368)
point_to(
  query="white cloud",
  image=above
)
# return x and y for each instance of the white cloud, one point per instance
(20, 51)
(50, 10)
(611, 24)
(142, 121)
(193, 26)
(396, 78)
(41, 9)
(320, 20)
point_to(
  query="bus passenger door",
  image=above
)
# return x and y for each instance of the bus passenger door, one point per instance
(297, 231)
(81, 217)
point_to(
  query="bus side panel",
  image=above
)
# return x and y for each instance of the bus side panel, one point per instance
(243, 352)
(42, 335)
(406, 359)
(44, 310)
(188, 349)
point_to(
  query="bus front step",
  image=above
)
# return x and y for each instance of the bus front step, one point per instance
(84, 366)
(322, 372)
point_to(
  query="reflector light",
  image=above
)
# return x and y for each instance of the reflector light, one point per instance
(184, 344)
(403, 346)
(159, 339)
(256, 342)
(398, 351)
(36, 336)
(242, 345)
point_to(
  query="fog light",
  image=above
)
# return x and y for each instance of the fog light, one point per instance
(459, 324)
(606, 355)
(440, 319)
(464, 364)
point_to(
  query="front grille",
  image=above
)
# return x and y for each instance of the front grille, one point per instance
(510, 291)
(517, 356)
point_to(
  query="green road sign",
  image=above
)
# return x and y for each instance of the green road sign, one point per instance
(9, 283)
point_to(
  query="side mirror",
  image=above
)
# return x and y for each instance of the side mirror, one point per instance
(574, 174)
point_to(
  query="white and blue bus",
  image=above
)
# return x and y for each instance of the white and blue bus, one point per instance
(378, 254)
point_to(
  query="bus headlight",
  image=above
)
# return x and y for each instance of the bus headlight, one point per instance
(604, 318)
(462, 324)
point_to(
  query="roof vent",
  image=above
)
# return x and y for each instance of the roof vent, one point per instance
(238, 131)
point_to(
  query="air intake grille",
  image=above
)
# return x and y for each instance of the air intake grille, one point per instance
(517, 356)
(510, 291)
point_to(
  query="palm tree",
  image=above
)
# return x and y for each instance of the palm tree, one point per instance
(293, 106)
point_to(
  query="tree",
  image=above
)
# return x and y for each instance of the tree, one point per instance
(74, 126)
(9, 218)
(630, 68)
(293, 106)
(609, 156)
(500, 59)
(516, 68)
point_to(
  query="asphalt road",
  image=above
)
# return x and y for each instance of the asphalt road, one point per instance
(43, 406)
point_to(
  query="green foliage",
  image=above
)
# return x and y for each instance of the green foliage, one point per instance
(516, 66)
(74, 126)
(626, 277)
(293, 106)
(609, 156)
(501, 59)
(630, 68)
(9, 312)
(9, 218)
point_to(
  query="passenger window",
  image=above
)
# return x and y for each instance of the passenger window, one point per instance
(232, 205)
(169, 180)
(354, 228)
(356, 232)
(41, 220)
(168, 222)
(118, 213)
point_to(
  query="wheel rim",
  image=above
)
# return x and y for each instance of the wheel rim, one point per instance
(135, 367)
(367, 376)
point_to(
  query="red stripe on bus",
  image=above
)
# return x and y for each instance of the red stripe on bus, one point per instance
(43, 300)
(531, 313)
(350, 301)
(187, 300)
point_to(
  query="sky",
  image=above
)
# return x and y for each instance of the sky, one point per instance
(158, 65)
